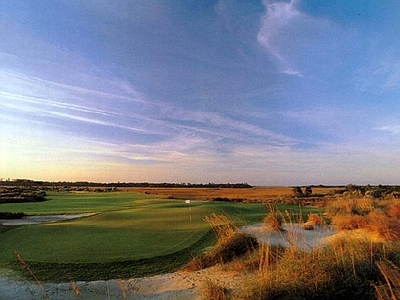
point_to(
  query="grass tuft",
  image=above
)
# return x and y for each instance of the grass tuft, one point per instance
(214, 291)
(230, 244)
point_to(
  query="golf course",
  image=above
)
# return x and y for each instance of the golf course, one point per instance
(127, 234)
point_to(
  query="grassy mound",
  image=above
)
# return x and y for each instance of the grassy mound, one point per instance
(64, 272)
(230, 244)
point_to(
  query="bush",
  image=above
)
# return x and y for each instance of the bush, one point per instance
(11, 215)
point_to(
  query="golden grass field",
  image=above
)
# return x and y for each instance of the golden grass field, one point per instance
(260, 194)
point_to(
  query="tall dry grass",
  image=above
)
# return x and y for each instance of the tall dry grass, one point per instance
(347, 267)
(26, 267)
(390, 288)
(222, 225)
(343, 269)
(214, 291)
(231, 243)
(350, 206)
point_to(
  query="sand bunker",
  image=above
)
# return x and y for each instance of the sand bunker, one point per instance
(293, 235)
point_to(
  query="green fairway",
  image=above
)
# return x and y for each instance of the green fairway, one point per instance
(127, 227)
(77, 203)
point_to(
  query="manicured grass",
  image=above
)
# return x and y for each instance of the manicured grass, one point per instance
(71, 203)
(129, 229)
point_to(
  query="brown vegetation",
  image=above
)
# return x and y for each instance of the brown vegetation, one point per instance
(255, 194)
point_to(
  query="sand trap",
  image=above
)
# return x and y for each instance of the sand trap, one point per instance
(178, 285)
(31, 220)
(293, 235)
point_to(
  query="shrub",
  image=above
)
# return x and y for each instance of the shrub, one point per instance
(11, 215)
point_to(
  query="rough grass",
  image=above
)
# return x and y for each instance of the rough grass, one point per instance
(214, 291)
(230, 244)
(350, 206)
(349, 267)
(344, 269)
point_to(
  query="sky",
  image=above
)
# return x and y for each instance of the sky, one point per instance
(225, 91)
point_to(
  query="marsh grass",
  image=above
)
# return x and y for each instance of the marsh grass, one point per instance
(342, 270)
(390, 288)
(214, 291)
(274, 218)
(350, 206)
(230, 244)
(348, 267)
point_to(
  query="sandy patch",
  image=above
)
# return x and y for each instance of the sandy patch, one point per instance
(178, 285)
(293, 235)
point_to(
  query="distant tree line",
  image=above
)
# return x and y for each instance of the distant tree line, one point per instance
(26, 183)
(11, 215)
(352, 190)
(19, 195)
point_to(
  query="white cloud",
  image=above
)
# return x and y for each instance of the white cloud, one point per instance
(277, 17)
(293, 38)
(394, 129)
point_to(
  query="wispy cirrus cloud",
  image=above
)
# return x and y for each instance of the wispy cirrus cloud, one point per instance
(293, 37)
(393, 129)
(229, 128)
(274, 26)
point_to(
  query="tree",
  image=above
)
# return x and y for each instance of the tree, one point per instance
(308, 190)
(297, 191)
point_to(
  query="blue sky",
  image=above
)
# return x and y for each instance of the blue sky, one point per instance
(265, 92)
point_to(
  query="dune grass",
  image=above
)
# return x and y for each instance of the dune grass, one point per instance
(350, 266)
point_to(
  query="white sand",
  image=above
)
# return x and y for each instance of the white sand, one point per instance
(178, 285)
